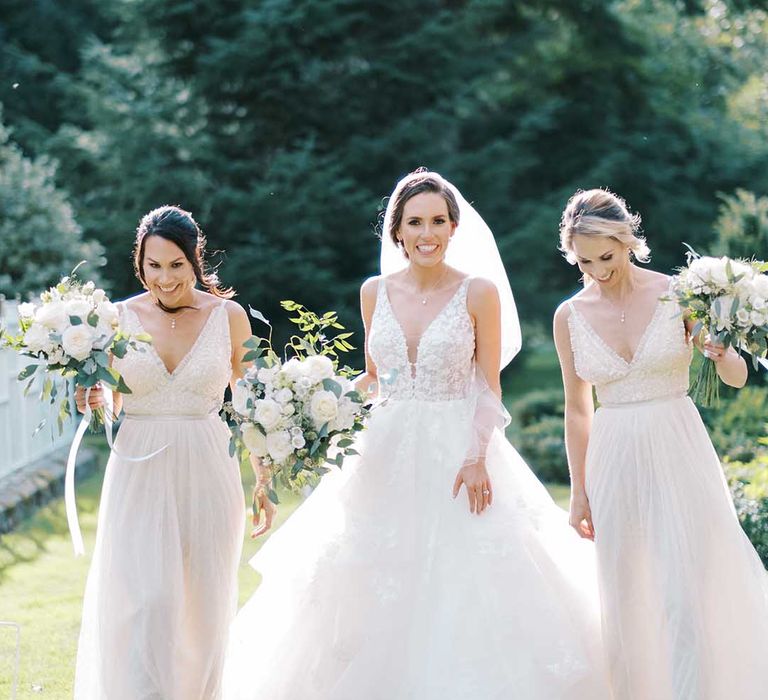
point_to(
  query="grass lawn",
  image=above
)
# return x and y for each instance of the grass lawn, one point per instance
(41, 583)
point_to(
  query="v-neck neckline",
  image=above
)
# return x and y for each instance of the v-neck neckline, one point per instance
(641, 343)
(426, 328)
(185, 358)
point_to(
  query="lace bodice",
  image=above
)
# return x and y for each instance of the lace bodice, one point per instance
(444, 366)
(659, 368)
(196, 386)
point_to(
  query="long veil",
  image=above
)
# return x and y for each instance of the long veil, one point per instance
(472, 250)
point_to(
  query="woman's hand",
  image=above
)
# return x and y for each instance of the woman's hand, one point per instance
(713, 351)
(580, 517)
(475, 478)
(95, 398)
(264, 511)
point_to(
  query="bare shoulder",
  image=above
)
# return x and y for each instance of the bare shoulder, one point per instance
(482, 291)
(563, 312)
(370, 288)
(235, 311)
(658, 280)
(136, 301)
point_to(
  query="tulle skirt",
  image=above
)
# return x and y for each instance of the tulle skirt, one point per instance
(162, 588)
(382, 586)
(684, 594)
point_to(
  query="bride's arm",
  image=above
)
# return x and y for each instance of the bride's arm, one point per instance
(239, 332)
(483, 306)
(368, 292)
(579, 411)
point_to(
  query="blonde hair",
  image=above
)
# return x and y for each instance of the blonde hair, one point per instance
(600, 212)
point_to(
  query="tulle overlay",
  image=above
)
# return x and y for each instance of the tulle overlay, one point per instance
(381, 586)
(684, 594)
(161, 590)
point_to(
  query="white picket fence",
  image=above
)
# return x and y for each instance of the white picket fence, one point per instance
(19, 414)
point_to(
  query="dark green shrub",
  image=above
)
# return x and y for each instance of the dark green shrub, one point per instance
(536, 431)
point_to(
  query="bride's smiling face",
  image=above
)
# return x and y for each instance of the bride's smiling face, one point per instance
(426, 229)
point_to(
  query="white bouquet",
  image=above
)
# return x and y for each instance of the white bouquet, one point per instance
(729, 300)
(71, 332)
(298, 414)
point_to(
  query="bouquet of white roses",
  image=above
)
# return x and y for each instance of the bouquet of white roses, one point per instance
(71, 332)
(729, 300)
(298, 414)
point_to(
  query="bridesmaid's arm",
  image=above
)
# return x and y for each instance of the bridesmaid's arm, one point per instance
(579, 411)
(731, 367)
(239, 332)
(369, 379)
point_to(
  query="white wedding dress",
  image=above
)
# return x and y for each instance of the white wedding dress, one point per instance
(383, 587)
(684, 594)
(162, 588)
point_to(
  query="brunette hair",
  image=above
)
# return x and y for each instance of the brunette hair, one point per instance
(176, 225)
(420, 180)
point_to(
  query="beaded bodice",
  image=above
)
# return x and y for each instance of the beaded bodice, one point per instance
(444, 366)
(659, 368)
(196, 386)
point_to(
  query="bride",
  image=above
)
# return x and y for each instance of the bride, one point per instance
(385, 584)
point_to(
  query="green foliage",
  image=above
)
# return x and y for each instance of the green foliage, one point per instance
(738, 423)
(749, 486)
(282, 125)
(742, 226)
(536, 430)
(40, 240)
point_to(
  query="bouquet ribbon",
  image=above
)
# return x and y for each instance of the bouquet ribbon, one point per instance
(69, 474)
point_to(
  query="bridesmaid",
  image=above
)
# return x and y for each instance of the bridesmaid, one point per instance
(684, 594)
(162, 587)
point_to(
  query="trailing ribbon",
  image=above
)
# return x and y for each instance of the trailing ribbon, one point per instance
(69, 475)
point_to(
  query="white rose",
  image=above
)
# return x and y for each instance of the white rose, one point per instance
(38, 339)
(279, 445)
(26, 310)
(268, 413)
(58, 357)
(266, 375)
(292, 369)
(240, 398)
(107, 313)
(288, 409)
(743, 317)
(283, 396)
(254, 440)
(77, 341)
(346, 416)
(98, 296)
(79, 307)
(298, 441)
(717, 273)
(757, 319)
(53, 315)
(317, 368)
(323, 407)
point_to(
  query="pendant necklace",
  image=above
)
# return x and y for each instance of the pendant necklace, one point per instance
(425, 295)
